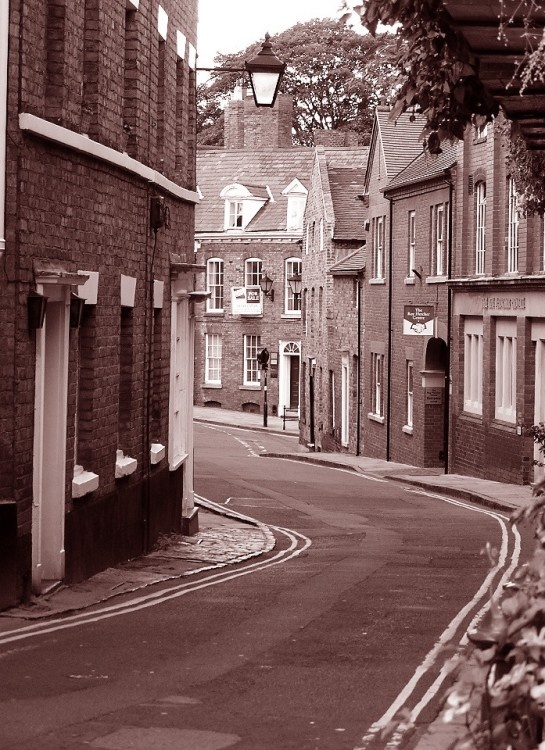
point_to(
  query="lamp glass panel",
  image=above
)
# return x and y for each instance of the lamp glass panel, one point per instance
(264, 85)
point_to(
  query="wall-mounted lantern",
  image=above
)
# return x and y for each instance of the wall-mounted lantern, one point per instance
(76, 310)
(36, 306)
(266, 284)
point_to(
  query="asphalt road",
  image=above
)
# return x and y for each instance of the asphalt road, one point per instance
(311, 650)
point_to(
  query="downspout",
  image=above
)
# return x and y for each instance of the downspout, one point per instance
(446, 417)
(4, 41)
(390, 298)
(358, 372)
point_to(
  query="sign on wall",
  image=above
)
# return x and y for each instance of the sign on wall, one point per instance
(246, 301)
(418, 320)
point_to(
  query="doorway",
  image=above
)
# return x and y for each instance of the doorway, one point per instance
(49, 462)
(289, 376)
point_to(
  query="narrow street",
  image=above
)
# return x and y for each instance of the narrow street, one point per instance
(310, 646)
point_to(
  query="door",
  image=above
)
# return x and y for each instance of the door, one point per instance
(294, 382)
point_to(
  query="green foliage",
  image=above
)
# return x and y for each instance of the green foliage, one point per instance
(440, 79)
(335, 76)
(527, 169)
(501, 689)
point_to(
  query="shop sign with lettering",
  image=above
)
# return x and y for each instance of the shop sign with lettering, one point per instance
(418, 320)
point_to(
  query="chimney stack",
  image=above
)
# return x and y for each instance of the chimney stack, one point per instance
(249, 127)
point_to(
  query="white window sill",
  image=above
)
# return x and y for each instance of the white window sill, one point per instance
(157, 453)
(436, 280)
(407, 429)
(212, 385)
(124, 465)
(83, 482)
(215, 312)
(291, 315)
(375, 418)
(177, 461)
(253, 387)
(408, 280)
(377, 281)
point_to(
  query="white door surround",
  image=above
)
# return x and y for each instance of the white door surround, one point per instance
(49, 460)
(538, 335)
(287, 351)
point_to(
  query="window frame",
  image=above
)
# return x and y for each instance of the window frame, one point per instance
(292, 303)
(480, 227)
(439, 243)
(473, 365)
(377, 390)
(213, 359)
(218, 273)
(409, 392)
(411, 244)
(251, 346)
(253, 275)
(378, 247)
(513, 227)
(506, 371)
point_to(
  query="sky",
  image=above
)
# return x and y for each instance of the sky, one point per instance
(231, 26)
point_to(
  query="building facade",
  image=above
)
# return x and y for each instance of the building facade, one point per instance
(249, 225)
(498, 318)
(333, 267)
(98, 285)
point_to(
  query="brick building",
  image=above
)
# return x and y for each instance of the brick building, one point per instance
(98, 285)
(249, 224)
(498, 318)
(333, 265)
(416, 399)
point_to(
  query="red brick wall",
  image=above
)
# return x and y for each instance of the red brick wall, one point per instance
(271, 326)
(80, 214)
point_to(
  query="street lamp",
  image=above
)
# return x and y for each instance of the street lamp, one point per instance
(265, 71)
(263, 362)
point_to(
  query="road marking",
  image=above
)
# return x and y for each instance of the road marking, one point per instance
(298, 544)
(450, 631)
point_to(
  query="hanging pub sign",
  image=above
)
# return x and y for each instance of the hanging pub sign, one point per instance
(418, 320)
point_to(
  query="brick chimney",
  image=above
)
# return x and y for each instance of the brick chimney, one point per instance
(335, 138)
(250, 127)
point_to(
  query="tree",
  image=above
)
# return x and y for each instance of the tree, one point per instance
(335, 75)
(441, 77)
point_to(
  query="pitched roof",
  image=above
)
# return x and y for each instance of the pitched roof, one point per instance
(425, 167)
(345, 173)
(350, 265)
(396, 142)
(346, 185)
(258, 170)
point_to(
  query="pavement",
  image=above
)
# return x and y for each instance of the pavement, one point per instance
(226, 537)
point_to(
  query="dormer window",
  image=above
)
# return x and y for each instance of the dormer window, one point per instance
(235, 214)
(242, 203)
(296, 194)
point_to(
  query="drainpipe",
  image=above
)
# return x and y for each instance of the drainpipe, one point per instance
(358, 381)
(446, 417)
(390, 299)
(4, 40)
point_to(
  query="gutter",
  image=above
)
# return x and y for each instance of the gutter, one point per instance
(390, 300)
(4, 43)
